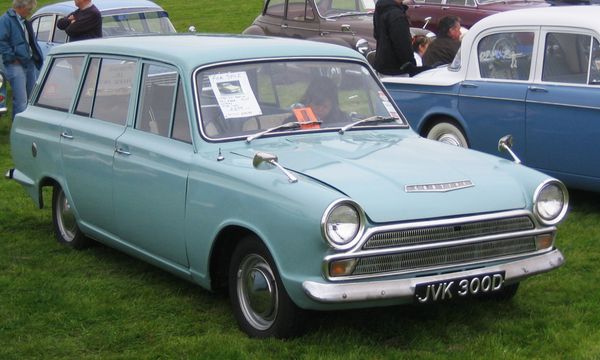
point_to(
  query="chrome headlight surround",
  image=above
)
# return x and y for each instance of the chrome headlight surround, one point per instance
(550, 202)
(2, 77)
(343, 224)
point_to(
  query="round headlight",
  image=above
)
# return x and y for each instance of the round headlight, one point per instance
(343, 224)
(1, 79)
(550, 202)
(362, 46)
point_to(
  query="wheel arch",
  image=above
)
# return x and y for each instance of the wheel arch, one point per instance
(45, 182)
(222, 250)
(435, 118)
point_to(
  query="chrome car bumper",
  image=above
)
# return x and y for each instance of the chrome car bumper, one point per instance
(404, 289)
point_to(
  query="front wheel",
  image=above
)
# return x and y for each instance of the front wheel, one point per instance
(65, 226)
(448, 133)
(260, 303)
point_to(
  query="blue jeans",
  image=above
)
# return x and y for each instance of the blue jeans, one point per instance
(22, 79)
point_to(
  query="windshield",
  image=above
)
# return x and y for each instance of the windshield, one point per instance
(333, 8)
(246, 99)
(156, 22)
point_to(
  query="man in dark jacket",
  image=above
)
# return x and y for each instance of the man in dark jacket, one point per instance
(391, 29)
(83, 23)
(443, 49)
(20, 52)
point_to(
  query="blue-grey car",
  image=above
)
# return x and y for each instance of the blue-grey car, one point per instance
(119, 17)
(279, 170)
(531, 73)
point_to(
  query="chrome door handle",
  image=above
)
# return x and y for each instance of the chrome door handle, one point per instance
(284, 26)
(66, 135)
(122, 151)
(469, 85)
(537, 89)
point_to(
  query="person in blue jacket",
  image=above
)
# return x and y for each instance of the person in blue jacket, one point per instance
(21, 55)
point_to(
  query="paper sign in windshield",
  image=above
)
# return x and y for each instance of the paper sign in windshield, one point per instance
(368, 4)
(234, 95)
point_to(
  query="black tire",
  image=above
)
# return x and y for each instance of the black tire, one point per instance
(260, 303)
(449, 133)
(65, 226)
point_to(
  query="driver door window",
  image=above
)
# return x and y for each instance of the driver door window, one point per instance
(566, 58)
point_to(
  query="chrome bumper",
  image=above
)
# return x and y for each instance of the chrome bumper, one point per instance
(404, 289)
(9, 174)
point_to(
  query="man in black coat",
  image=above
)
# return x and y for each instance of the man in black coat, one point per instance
(83, 23)
(445, 46)
(391, 29)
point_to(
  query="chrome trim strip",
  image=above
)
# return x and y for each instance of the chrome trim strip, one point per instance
(404, 289)
(564, 105)
(442, 222)
(441, 187)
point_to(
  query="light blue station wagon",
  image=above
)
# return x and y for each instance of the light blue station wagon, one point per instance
(278, 169)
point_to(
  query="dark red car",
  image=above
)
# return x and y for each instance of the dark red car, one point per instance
(469, 11)
(343, 22)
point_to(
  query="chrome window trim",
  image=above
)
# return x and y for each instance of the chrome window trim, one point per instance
(362, 63)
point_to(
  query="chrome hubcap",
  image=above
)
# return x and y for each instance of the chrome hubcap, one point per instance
(450, 139)
(257, 291)
(66, 218)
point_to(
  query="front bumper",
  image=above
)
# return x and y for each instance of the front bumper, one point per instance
(403, 290)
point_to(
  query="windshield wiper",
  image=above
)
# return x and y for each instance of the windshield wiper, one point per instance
(288, 125)
(370, 120)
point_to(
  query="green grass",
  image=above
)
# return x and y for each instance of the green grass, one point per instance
(56, 303)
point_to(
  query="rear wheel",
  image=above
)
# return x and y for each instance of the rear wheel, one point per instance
(65, 226)
(260, 303)
(449, 133)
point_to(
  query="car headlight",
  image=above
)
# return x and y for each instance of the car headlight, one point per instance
(550, 202)
(1, 80)
(342, 224)
(362, 46)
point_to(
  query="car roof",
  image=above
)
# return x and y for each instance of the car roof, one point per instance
(577, 16)
(192, 50)
(105, 6)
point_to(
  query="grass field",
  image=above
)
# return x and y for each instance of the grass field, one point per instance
(56, 303)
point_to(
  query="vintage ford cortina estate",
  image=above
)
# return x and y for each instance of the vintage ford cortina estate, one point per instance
(532, 73)
(278, 169)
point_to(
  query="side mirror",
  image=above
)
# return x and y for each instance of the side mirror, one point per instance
(265, 161)
(192, 29)
(427, 20)
(505, 144)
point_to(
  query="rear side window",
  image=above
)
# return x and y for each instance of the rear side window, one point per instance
(566, 58)
(276, 8)
(60, 84)
(107, 89)
(506, 56)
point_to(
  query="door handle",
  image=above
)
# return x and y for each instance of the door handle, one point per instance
(469, 85)
(66, 135)
(122, 151)
(537, 89)
(284, 26)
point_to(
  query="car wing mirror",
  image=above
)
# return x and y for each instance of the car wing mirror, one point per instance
(505, 144)
(264, 161)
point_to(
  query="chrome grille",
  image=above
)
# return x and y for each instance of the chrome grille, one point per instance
(448, 232)
(444, 256)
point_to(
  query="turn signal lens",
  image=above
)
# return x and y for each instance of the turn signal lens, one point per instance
(544, 241)
(342, 267)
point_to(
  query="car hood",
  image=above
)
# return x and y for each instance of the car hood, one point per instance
(374, 169)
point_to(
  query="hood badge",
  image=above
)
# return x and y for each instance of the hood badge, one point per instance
(441, 187)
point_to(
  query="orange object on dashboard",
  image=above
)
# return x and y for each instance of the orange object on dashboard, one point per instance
(306, 117)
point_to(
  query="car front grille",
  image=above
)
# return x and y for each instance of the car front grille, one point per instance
(448, 232)
(439, 244)
(444, 256)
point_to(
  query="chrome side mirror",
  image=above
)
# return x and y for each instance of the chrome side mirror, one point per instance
(505, 144)
(192, 29)
(265, 161)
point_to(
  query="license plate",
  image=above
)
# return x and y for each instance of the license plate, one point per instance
(459, 287)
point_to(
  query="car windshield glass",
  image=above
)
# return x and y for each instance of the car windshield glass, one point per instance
(156, 22)
(241, 100)
(337, 8)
